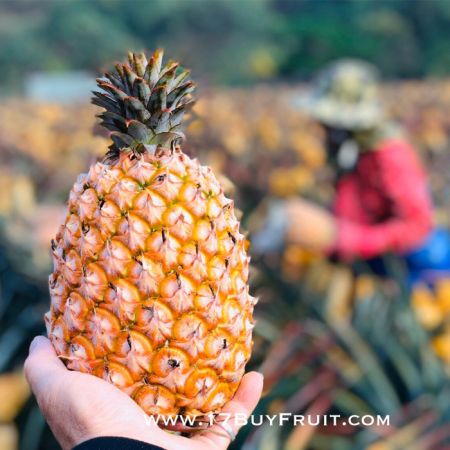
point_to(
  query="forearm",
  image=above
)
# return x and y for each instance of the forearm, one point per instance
(366, 241)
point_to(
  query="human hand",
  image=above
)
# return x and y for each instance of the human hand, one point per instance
(267, 226)
(309, 225)
(79, 407)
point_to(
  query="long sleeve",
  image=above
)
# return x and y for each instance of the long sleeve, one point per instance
(401, 184)
(115, 443)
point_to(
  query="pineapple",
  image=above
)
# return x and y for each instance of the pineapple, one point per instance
(149, 288)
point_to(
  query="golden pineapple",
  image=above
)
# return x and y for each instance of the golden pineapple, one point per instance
(149, 289)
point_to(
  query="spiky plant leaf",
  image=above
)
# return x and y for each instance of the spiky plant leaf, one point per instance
(143, 99)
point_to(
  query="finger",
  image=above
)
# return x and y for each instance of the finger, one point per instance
(233, 413)
(42, 363)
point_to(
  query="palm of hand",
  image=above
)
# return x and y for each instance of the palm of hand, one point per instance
(79, 406)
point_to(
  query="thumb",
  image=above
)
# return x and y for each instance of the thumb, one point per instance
(42, 363)
(243, 404)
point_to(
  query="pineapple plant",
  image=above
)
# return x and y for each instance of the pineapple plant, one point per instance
(376, 361)
(149, 288)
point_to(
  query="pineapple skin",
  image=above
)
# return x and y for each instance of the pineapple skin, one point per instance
(149, 288)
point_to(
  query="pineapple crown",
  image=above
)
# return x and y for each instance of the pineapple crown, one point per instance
(144, 103)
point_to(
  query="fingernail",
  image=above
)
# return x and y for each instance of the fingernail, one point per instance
(261, 375)
(34, 344)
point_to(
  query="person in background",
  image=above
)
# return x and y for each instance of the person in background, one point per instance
(382, 203)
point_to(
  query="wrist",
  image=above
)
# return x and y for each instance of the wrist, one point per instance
(116, 443)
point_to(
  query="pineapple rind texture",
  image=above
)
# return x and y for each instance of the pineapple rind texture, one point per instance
(149, 289)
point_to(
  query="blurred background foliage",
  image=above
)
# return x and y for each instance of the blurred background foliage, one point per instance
(326, 339)
(225, 41)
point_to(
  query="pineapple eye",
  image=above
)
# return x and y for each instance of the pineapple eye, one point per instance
(150, 309)
(224, 344)
(178, 280)
(173, 363)
(160, 178)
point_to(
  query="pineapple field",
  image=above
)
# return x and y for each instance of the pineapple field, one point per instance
(327, 341)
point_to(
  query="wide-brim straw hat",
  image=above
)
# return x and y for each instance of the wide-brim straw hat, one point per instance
(345, 95)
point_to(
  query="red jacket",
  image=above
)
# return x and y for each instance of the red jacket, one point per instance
(384, 204)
